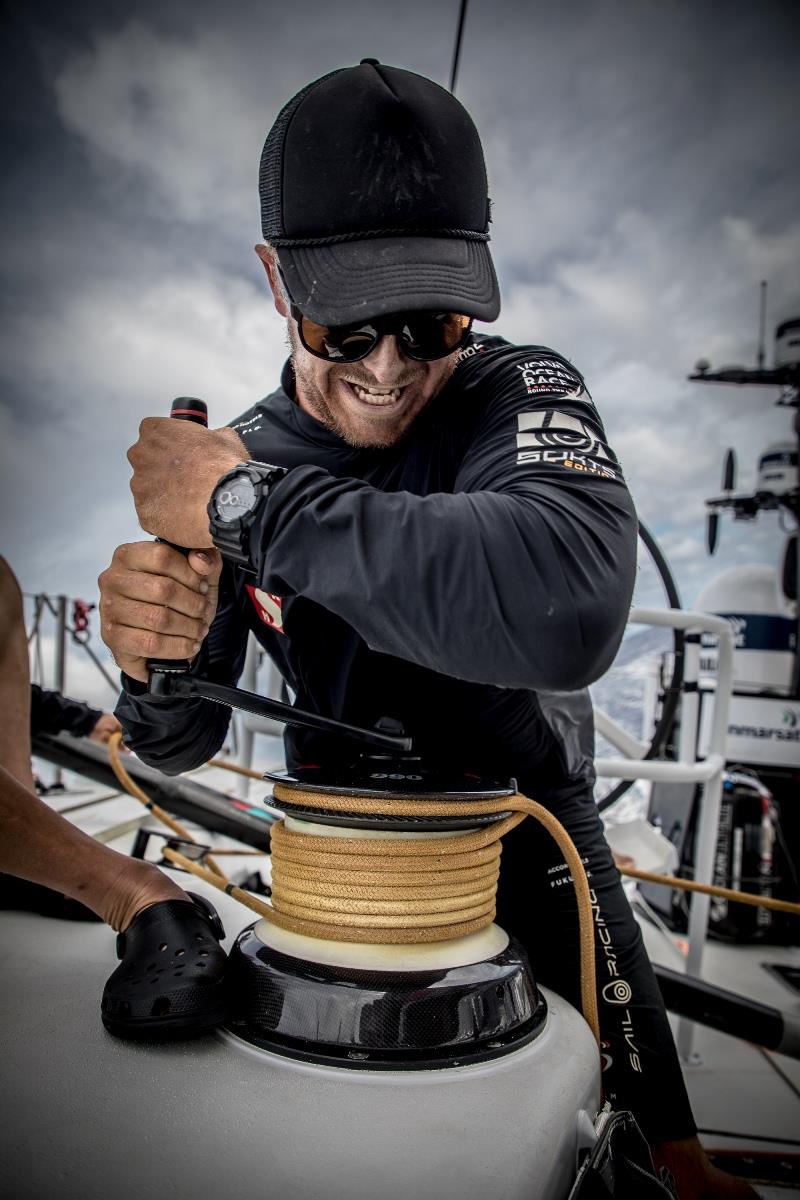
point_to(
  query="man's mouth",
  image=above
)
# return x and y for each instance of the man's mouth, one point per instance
(376, 397)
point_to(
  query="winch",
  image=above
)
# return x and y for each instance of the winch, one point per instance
(404, 1028)
(412, 996)
(430, 1052)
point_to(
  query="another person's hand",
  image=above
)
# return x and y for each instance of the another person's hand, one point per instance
(176, 466)
(155, 603)
(104, 726)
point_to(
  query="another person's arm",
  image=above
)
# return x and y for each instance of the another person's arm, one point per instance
(51, 713)
(36, 843)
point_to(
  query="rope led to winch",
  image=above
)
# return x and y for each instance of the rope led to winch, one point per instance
(131, 786)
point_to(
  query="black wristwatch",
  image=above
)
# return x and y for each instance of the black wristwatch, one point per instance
(235, 505)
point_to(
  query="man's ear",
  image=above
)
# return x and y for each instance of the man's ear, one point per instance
(274, 281)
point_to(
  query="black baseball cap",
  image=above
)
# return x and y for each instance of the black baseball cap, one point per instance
(374, 194)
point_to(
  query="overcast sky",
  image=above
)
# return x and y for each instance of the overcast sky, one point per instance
(643, 166)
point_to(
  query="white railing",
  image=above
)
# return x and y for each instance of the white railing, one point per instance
(708, 772)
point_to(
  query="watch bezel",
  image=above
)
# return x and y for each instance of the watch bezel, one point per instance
(232, 538)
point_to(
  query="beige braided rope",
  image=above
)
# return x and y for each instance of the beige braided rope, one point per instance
(390, 889)
(132, 787)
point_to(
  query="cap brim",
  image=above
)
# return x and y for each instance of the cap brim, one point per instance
(347, 281)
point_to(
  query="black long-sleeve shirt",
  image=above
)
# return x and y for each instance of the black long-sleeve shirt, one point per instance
(455, 581)
(51, 712)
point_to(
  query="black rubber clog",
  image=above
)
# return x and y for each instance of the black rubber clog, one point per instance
(171, 981)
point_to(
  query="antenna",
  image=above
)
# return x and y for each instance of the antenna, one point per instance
(761, 325)
(462, 12)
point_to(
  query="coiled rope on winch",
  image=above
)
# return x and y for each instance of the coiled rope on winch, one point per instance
(391, 889)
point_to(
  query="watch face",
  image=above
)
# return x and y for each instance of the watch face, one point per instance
(236, 498)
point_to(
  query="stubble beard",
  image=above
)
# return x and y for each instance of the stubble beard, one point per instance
(375, 438)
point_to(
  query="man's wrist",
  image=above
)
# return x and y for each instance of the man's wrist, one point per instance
(236, 504)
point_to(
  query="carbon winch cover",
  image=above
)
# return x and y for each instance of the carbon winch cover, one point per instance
(369, 1019)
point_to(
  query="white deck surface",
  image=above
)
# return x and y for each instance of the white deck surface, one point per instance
(749, 1096)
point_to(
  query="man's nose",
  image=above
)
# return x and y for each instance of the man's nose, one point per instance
(385, 363)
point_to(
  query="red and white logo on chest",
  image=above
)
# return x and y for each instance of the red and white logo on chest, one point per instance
(268, 607)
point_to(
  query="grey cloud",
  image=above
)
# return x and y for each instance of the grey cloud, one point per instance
(640, 164)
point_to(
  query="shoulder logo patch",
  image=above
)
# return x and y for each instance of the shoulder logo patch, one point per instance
(268, 606)
(542, 375)
(559, 438)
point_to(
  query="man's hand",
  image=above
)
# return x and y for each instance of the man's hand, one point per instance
(154, 603)
(176, 466)
(104, 726)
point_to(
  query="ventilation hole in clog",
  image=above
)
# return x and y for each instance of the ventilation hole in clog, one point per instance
(198, 937)
(161, 1007)
(154, 979)
(179, 972)
(203, 953)
(163, 947)
(199, 964)
(178, 953)
(151, 967)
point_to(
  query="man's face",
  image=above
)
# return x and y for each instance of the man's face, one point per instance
(371, 402)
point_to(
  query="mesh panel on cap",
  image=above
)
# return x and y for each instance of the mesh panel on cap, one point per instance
(271, 169)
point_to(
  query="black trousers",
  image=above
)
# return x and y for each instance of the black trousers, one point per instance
(536, 903)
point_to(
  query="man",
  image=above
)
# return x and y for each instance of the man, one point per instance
(431, 527)
(48, 865)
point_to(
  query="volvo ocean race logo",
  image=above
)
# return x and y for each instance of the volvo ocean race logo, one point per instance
(551, 376)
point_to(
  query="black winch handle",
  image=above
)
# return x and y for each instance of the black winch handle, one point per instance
(170, 681)
(183, 408)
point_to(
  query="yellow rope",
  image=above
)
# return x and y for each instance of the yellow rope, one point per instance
(710, 889)
(230, 889)
(130, 785)
(229, 766)
(443, 913)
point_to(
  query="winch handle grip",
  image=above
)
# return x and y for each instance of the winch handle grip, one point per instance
(183, 408)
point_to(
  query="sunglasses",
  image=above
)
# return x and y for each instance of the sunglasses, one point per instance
(423, 336)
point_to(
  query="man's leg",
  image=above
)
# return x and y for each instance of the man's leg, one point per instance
(36, 843)
(536, 903)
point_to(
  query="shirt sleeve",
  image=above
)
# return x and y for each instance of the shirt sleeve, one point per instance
(174, 733)
(51, 713)
(520, 577)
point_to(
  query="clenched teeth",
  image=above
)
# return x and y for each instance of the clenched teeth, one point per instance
(374, 396)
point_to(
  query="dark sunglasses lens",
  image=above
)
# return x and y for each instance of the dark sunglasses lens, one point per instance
(427, 336)
(424, 336)
(339, 343)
